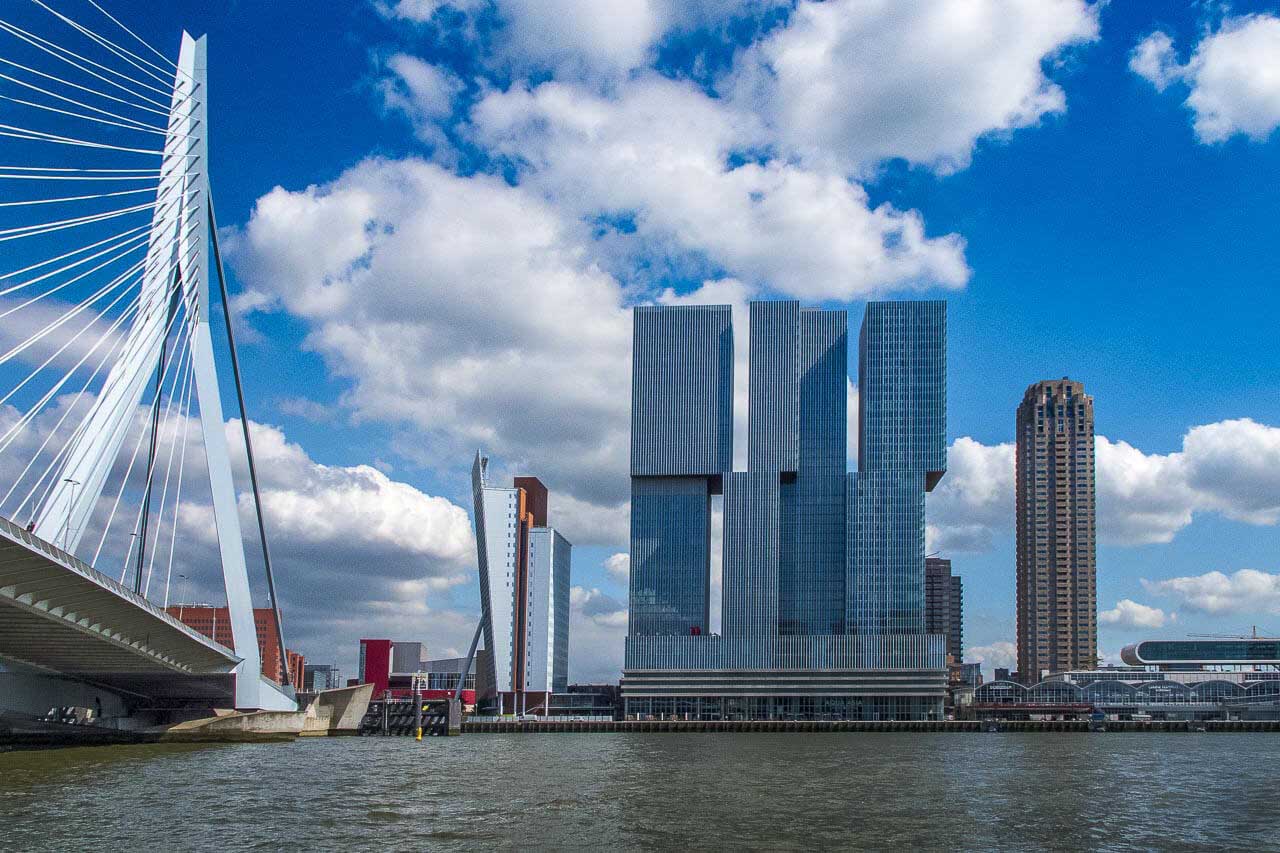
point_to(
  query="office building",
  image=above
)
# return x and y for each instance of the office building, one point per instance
(321, 676)
(524, 591)
(375, 664)
(407, 656)
(215, 623)
(1056, 531)
(944, 605)
(823, 606)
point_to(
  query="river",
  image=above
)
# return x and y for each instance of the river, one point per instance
(654, 792)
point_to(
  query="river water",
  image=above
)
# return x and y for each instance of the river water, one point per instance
(655, 791)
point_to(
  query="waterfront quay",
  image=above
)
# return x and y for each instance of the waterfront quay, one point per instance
(813, 726)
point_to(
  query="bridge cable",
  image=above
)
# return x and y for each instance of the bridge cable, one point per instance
(121, 52)
(164, 492)
(248, 441)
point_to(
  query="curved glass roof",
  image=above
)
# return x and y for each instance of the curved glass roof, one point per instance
(1245, 651)
(1159, 692)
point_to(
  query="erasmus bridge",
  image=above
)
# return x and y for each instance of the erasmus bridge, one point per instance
(112, 440)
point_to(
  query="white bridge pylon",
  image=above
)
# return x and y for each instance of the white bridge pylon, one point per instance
(175, 282)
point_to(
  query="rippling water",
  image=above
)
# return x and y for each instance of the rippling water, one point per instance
(655, 791)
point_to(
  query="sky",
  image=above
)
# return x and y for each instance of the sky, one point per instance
(437, 215)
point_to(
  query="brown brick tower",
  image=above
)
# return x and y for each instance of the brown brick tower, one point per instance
(1057, 559)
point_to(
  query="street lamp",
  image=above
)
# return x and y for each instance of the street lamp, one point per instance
(66, 524)
(182, 595)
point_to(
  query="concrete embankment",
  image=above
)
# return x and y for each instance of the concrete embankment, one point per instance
(692, 726)
(329, 713)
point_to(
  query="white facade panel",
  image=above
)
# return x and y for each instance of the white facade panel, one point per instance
(501, 517)
(549, 583)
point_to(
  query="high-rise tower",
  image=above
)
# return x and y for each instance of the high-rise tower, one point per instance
(823, 570)
(1057, 542)
(944, 605)
(524, 592)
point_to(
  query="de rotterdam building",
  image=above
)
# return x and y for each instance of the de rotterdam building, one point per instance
(823, 596)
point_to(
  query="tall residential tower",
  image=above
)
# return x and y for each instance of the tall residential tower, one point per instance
(524, 593)
(1057, 562)
(944, 605)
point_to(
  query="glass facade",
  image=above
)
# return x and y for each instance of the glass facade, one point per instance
(784, 708)
(773, 427)
(750, 554)
(1203, 651)
(886, 540)
(1161, 698)
(670, 556)
(822, 569)
(682, 391)
(902, 389)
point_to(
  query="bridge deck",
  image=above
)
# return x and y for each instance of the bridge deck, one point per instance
(59, 615)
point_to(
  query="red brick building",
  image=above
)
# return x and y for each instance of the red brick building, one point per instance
(215, 623)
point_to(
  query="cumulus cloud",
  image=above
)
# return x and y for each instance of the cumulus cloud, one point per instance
(1001, 653)
(1231, 468)
(1232, 76)
(1130, 614)
(462, 308)
(474, 313)
(423, 92)
(659, 167)
(854, 83)
(618, 567)
(974, 503)
(597, 628)
(1244, 591)
(590, 39)
(579, 37)
(421, 11)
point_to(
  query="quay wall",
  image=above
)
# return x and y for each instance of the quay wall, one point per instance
(690, 726)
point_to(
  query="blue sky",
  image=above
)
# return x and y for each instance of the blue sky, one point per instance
(437, 213)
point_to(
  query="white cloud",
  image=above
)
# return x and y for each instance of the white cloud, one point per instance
(1130, 614)
(853, 82)
(1244, 591)
(1234, 466)
(578, 37)
(1154, 58)
(851, 432)
(999, 654)
(974, 503)
(618, 567)
(591, 39)
(423, 92)
(421, 11)
(597, 630)
(1233, 76)
(660, 158)
(1230, 467)
(461, 308)
(356, 510)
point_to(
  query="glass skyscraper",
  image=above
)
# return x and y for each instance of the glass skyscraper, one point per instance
(681, 443)
(823, 570)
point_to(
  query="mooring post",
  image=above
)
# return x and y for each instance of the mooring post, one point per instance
(417, 707)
